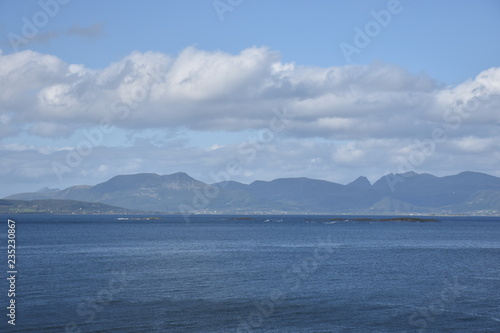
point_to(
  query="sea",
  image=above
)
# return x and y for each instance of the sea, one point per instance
(265, 273)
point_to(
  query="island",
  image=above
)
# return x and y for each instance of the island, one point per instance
(365, 219)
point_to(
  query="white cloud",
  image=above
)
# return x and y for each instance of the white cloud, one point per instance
(342, 122)
(214, 91)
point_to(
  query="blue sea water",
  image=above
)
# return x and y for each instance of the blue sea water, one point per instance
(265, 274)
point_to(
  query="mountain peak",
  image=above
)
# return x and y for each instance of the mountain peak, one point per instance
(135, 176)
(360, 182)
(179, 175)
(126, 182)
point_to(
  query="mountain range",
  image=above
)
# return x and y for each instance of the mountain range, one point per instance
(468, 193)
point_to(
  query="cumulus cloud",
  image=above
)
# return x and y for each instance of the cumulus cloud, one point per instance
(204, 90)
(331, 123)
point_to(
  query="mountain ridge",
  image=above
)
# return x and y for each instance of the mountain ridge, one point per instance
(409, 193)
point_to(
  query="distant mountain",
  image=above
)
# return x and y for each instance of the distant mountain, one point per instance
(465, 193)
(426, 190)
(169, 193)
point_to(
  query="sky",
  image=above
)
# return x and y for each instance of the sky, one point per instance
(246, 90)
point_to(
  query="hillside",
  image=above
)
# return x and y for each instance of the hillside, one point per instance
(54, 206)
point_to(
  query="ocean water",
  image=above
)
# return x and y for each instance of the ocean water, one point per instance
(265, 274)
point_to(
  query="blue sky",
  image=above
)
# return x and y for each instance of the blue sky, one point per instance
(222, 68)
(450, 40)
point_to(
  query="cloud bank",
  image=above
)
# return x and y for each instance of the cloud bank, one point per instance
(215, 91)
(356, 119)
